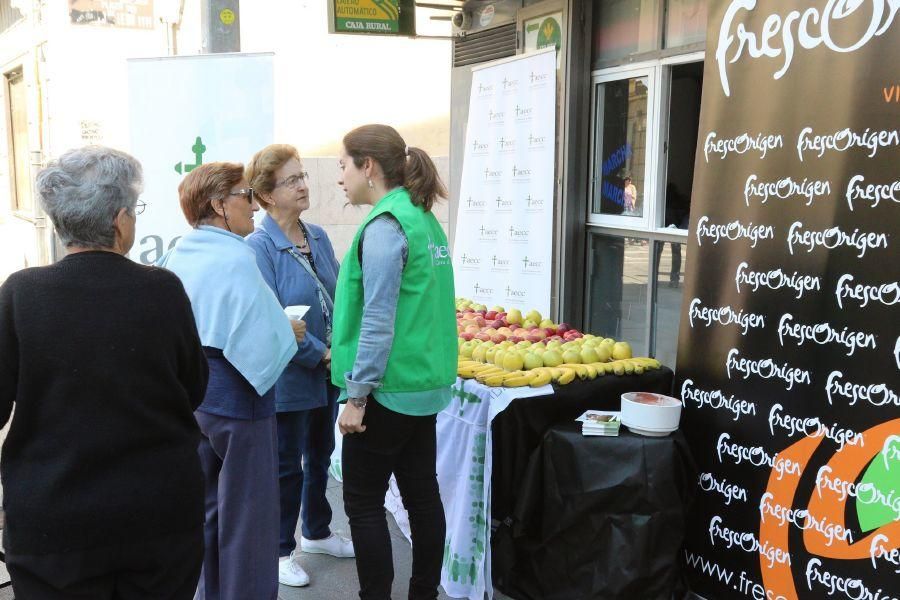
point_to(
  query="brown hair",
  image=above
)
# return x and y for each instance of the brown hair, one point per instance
(260, 171)
(402, 165)
(204, 184)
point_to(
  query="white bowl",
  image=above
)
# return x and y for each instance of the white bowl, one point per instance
(651, 414)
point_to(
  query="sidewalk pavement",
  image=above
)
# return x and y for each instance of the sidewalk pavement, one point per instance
(333, 578)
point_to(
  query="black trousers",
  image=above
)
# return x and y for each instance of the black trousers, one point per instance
(164, 568)
(407, 447)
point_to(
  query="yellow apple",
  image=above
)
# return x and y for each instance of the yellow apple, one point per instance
(533, 361)
(514, 316)
(621, 350)
(572, 357)
(512, 361)
(552, 358)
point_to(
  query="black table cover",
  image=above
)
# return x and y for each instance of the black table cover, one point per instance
(597, 518)
(517, 431)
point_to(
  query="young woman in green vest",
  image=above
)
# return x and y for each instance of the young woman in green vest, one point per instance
(393, 354)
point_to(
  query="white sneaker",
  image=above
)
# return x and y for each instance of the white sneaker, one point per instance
(290, 572)
(334, 545)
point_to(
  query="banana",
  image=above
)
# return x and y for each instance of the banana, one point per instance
(638, 370)
(494, 381)
(591, 370)
(579, 369)
(542, 378)
(465, 374)
(482, 377)
(518, 381)
(600, 368)
(629, 367)
(567, 377)
(618, 369)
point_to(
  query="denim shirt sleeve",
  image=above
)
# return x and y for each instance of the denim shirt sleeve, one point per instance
(311, 350)
(384, 253)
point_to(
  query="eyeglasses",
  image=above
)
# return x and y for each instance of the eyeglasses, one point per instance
(246, 193)
(139, 207)
(294, 180)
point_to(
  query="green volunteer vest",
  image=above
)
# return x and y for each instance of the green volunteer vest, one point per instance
(424, 350)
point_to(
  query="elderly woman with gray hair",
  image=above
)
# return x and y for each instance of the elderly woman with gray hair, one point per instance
(100, 356)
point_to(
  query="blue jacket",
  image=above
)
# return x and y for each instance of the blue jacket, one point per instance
(305, 382)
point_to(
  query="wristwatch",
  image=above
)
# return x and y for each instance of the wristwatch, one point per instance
(358, 402)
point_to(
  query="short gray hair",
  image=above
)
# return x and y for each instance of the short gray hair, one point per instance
(84, 189)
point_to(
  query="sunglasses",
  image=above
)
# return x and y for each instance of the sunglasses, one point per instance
(248, 194)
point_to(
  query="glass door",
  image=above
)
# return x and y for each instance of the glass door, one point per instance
(622, 166)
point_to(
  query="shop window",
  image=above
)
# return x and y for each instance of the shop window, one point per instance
(685, 22)
(618, 274)
(621, 147)
(669, 261)
(681, 144)
(18, 140)
(625, 27)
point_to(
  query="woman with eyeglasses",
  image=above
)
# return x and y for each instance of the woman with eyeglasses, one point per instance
(248, 341)
(297, 261)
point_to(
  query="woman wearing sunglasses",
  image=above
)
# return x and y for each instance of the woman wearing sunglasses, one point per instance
(248, 341)
(297, 260)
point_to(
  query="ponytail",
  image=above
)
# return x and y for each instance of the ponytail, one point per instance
(401, 164)
(422, 179)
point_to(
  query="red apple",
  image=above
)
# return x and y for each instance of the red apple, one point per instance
(498, 337)
(480, 321)
(535, 336)
(498, 323)
(563, 327)
(484, 337)
(466, 336)
(490, 315)
(514, 326)
(550, 331)
(473, 329)
(515, 339)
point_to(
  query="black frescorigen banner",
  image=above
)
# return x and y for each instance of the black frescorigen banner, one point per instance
(789, 349)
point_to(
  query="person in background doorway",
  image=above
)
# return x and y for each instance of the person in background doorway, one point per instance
(248, 342)
(297, 261)
(100, 357)
(629, 195)
(393, 354)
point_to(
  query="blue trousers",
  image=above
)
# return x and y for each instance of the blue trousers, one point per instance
(305, 444)
(241, 529)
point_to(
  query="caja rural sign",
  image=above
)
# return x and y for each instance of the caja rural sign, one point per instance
(365, 16)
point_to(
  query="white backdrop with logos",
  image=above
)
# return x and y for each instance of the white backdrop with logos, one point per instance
(503, 248)
(186, 111)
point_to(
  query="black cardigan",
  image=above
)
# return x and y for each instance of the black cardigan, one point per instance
(102, 360)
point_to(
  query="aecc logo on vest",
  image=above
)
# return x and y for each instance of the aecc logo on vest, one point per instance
(440, 254)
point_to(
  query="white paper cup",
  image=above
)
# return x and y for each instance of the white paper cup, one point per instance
(296, 313)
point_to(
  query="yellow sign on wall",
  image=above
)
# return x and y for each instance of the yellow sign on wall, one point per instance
(366, 16)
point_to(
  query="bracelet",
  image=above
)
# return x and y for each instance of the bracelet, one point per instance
(358, 402)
